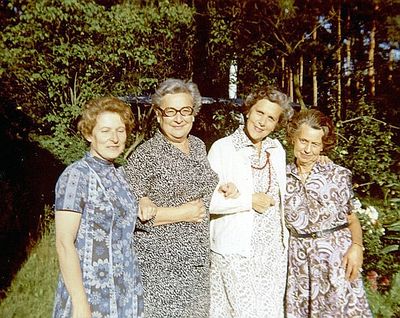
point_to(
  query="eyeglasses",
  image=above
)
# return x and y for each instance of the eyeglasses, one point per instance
(171, 112)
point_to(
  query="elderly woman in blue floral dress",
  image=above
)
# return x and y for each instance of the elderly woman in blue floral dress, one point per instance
(95, 217)
(325, 246)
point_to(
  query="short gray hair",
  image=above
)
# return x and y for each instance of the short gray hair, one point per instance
(175, 86)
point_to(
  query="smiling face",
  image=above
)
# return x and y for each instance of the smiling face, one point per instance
(178, 127)
(108, 137)
(307, 145)
(262, 119)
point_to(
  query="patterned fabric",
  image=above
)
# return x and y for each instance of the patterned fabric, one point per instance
(174, 258)
(316, 280)
(111, 278)
(253, 287)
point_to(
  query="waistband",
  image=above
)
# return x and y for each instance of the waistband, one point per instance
(318, 234)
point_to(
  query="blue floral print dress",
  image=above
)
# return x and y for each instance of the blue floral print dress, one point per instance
(111, 278)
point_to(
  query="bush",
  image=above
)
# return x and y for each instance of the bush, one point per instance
(58, 54)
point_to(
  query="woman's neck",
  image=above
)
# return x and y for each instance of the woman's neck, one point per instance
(304, 167)
(182, 145)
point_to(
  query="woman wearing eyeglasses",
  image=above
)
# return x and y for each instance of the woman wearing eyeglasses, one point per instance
(173, 181)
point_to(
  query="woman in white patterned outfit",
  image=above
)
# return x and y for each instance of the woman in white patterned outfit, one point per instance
(248, 235)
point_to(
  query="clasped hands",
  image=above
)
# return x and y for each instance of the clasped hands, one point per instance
(192, 211)
(260, 201)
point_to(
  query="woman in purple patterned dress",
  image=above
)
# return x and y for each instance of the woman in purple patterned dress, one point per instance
(95, 217)
(325, 247)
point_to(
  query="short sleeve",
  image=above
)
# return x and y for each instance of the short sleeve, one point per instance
(347, 190)
(71, 190)
(138, 171)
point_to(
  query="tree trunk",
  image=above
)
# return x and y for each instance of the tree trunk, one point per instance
(314, 75)
(290, 84)
(301, 72)
(296, 82)
(371, 55)
(339, 63)
(283, 72)
(349, 43)
(391, 64)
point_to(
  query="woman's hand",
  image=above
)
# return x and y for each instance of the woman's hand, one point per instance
(352, 261)
(195, 211)
(229, 190)
(81, 310)
(261, 202)
(147, 209)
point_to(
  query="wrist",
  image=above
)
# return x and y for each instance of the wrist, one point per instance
(359, 245)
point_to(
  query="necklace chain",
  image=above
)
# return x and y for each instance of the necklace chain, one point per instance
(267, 162)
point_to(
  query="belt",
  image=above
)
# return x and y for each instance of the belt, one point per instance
(318, 234)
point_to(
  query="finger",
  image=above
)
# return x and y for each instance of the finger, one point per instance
(348, 272)
(354, 274)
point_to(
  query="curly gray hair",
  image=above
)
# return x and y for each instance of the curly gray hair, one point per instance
(175, 86)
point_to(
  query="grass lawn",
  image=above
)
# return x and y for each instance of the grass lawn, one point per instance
(31, 293)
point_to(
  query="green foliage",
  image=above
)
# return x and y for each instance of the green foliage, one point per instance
(215, 121)
(386, 304)
(366, 147)
(58, 54)
(32, 291)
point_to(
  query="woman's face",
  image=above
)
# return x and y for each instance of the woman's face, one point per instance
(177, 127)
(107, 140)
(308, 144)
(262, 119)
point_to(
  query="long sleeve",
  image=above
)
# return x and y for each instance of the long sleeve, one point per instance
(229, 166)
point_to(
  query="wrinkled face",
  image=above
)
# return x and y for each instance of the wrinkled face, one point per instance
(308, 144)
(177, 127)
(262, 119)
(107, 140)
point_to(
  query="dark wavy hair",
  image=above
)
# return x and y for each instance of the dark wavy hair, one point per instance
(317, 120)
(273, 95)
(175, 86)
(100, 105)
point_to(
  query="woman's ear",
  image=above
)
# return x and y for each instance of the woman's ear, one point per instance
(88, 137)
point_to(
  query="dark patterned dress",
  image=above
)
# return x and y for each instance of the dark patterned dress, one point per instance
(173, 258)
(111, 278)
(316, 284)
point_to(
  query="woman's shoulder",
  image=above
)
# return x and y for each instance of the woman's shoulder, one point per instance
(76, 168)
(223, 142)
(335, 169)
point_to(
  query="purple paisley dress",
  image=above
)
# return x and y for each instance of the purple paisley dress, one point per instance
(316, 284)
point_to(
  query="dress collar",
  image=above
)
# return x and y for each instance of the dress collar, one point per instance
(241, 140)
(317, 168)
(97, 163)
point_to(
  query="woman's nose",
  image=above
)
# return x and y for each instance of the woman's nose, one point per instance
(114, 137)
(307, 148)
(178, 117)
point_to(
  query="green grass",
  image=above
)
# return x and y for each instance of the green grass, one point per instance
(31, 293)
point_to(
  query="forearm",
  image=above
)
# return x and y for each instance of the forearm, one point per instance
(355, 229)
(71, 272)
(169, 215)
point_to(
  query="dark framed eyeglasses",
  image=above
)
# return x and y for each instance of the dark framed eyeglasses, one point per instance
(171, 112)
